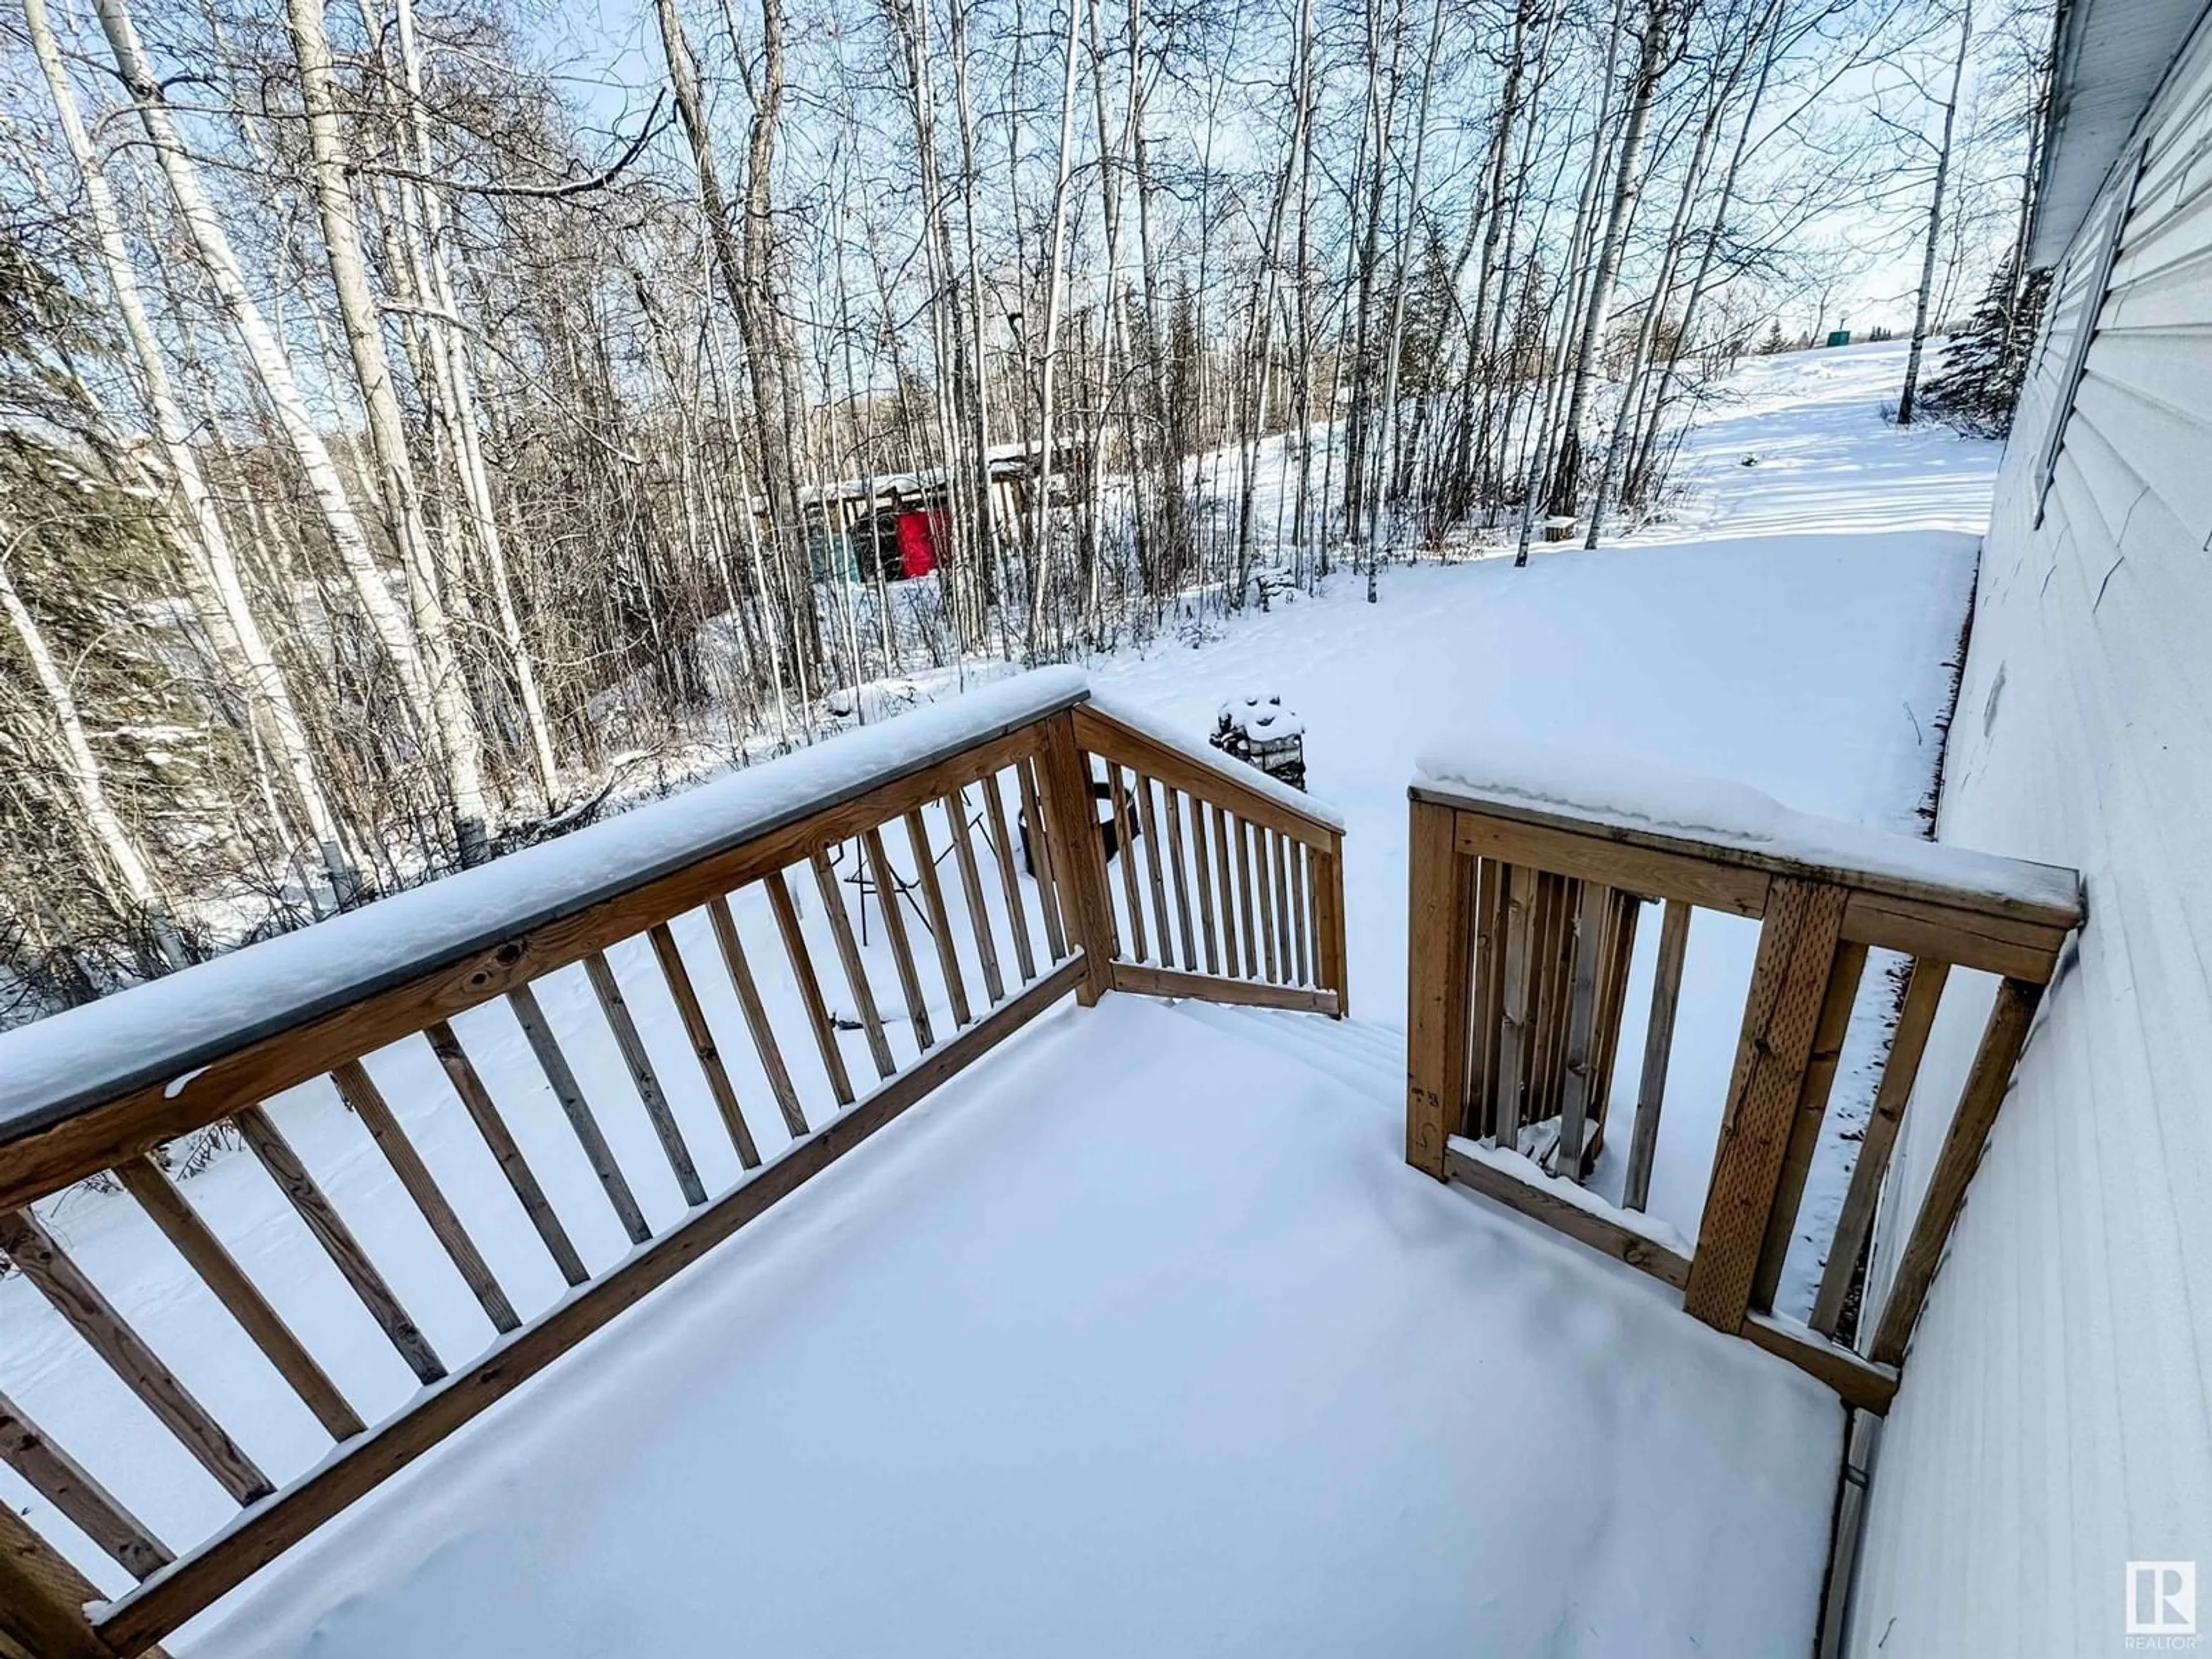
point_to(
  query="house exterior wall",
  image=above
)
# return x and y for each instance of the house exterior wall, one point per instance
(2055, 1422)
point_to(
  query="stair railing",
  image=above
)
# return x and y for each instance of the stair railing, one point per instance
(1524, 923)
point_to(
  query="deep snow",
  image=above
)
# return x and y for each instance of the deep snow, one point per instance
(1791, 632)
(1144, 1339)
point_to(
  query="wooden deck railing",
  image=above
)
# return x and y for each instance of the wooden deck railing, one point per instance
(1029, 760)
(1524, 917)
(1251, 906)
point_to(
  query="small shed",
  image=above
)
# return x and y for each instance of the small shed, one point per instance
(892, 526)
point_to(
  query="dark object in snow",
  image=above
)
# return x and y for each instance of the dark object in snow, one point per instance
(1750, 460)
(1271, 579)
(1259, 731)
(1108, 831)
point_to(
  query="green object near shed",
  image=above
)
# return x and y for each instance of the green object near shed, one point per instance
(1839, 337)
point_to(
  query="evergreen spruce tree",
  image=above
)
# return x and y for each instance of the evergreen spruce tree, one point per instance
(1986, 363)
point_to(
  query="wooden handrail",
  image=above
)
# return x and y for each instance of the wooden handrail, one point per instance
(1522, 921)
(1264, 927)
(313, 1006)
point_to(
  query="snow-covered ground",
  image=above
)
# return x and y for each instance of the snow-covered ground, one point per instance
(1793, 628)
(1188, 1361)
(1140, 1340)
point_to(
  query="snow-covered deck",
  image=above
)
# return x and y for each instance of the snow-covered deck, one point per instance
(1140, 1337)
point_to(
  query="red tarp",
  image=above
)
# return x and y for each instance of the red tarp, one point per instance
(917, 544)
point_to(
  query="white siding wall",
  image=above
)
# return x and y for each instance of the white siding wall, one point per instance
(2056, 1416)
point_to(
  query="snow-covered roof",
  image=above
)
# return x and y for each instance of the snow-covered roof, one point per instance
(2112, 57)
(165, 1028)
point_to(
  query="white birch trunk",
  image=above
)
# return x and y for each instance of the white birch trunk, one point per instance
(267, 690)
(452, 715)
(1934, 220)
(100, 821)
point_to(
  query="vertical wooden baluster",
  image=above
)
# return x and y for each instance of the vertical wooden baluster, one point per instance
(1227, 871)
(78, 1300)
(1148, 815)
(1201, 860)
(1658, 1047)
(971, 888)
(756, 1013)
(359, 1090)
(207, 1255)
(647, 1081)
(2011, 1016)
(1586, 943)
(308, 1201)
(1247, 916)
(700, 1035)
(1566, 907)
(1300, 909)
(1829, 1030)
(1797, 951)
(940, 920)
(809, 985)
(1283, 906)
(1264, 903)
(1515, 1032)
(1044, 854)
(1554, 947)
(1124, 826)
(1271, 850)
(1612, 995)
(43, 1598)
(61, 1481)
(1535, 1048)
(1923, 992)
(521, 1180)
(1439, 887)
(849, 955)
(887, 902)
(571, 1097)
(1182, 882)
(1486, 999)
(1010, 880)
(1562, 984)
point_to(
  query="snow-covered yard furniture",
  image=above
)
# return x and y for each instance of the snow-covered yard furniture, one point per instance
(1245, 908)
(1259, 731)
(1528, 873)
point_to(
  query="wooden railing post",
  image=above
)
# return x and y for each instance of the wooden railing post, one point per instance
(1438, 967)
(1081, 865)
(1789, 983)
(1329, 969)
(42, 1598)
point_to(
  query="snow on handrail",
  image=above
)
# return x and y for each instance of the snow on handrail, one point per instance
(167, 1028)
(1635, 800)
(1251, 778)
